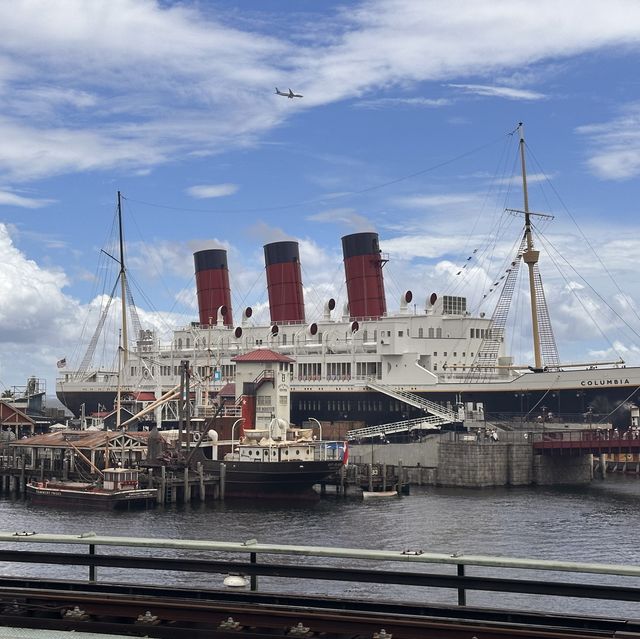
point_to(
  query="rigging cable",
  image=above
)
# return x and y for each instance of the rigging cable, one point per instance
(329, 198)
(584, 237)
(595, 292)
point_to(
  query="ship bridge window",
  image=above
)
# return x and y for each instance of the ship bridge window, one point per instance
(180, 344)
(438, 332)
(431, 333)
(452, 305)
(421, 332)
(400, 333)
(284, 339)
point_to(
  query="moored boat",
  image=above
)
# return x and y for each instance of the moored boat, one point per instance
(118, 489)
(375, 494)
(279, 469)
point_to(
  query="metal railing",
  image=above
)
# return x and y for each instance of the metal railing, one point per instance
(344, 565)
(428, 422)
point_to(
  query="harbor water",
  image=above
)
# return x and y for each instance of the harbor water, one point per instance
(592, 523)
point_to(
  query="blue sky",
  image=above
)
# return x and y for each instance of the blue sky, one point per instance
(403, 129)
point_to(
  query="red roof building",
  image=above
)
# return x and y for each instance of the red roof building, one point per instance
(262, 355)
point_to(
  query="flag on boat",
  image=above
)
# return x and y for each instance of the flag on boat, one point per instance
(62, 362)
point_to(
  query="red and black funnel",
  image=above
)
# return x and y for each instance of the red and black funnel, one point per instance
(363, 264)
(212, 283)
(284, 282)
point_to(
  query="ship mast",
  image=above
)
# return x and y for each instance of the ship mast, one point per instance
(530, 255)
(123, 285)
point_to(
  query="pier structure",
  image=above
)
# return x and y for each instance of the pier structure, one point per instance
(509, 458)
(225, 595)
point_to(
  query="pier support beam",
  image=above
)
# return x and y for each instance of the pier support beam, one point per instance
(187, 486)
(223, 477)
(202, 484)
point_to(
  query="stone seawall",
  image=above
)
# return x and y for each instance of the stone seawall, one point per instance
(477, 464)
(480, 464)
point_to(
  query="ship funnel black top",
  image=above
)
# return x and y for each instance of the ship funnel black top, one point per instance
(363, 264)
(212, 283)
(284, 282)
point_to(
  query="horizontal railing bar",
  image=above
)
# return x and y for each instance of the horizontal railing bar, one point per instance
(331, 573)
(251, 546)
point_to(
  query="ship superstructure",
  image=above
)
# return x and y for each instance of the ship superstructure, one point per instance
(363, 364)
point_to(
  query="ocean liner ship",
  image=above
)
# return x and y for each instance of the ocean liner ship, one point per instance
(365, 365)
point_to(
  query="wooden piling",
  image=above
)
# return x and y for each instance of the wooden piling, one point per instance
(223, 476)
(22, 486)
(201, 477)
(187, 486)
(162, 490)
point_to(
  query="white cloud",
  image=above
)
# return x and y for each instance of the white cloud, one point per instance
(207, 83)
(7, 198)
(509, 93)
(204, 191)
(436, 200)
(346, 216)
(615, 145)
(385, 103)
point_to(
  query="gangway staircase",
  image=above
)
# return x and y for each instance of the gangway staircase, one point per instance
(428, 422)
(444, 415)
(439, 415)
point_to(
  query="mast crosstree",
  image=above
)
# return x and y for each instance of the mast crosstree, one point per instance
(545, 350)
(127, 301)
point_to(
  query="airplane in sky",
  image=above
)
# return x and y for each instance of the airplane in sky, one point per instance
(291, 94)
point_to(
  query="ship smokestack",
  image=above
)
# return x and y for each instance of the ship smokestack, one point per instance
(363, 264)
(284, 283)
(212, 284)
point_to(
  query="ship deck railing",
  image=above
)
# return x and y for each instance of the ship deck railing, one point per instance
(539, 416)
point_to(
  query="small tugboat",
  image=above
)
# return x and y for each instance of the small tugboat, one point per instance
(280, 462)
(119, 489)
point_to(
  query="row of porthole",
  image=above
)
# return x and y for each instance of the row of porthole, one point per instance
(273, 452)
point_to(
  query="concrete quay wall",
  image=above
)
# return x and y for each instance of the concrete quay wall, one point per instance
(476, 464)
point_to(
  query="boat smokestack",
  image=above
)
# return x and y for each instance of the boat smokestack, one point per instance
(284, 282)
(212, 284)
(363, 264)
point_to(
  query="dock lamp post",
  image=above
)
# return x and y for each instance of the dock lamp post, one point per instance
(313, 419)
(544, 419)
(233, 432)
(590, 417)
